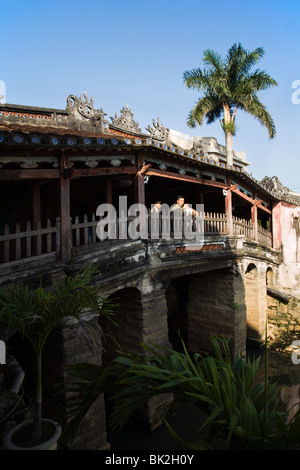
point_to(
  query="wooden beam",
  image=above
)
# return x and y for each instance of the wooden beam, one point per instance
(11, 175)
(85, 172)
(242, 195)
(186, 178)
(263, 208)
(254, 202)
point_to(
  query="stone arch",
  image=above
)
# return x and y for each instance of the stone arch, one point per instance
(251, 270)
(212, 302)
(269, 276)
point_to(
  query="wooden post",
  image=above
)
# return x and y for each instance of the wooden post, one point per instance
(254, 218)
(139, 191)
(65, 222)
(36, 214)
(228, 211)
(139, 186)
(36, 204)
(109, 190)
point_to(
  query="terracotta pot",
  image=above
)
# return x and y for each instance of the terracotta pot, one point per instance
(50, 444)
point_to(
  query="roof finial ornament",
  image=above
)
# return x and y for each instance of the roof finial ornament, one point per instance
(82, 109)
(125, 121)
(158, 131)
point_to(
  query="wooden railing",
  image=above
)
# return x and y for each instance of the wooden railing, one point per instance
(264, 236)
(30, 242)
(214, 223)
(84, 233)
(40, 241)
(243, 227)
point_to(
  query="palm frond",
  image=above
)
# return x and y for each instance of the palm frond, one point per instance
(208, 107)
(253, 106)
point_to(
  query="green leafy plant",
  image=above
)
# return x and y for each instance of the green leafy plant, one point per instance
(224, 390)
(34, 313)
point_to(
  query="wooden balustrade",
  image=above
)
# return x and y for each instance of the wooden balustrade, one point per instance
(39, 241)
(264, 236)
(243, 227)
(30, 242)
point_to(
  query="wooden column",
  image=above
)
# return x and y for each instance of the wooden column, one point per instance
(254, 218)
(200, 197)
(65, 216)
(108, 190)
(139, 185)
(228, 211)
(36, 204)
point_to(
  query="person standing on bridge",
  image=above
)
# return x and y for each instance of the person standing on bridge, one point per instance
(179, 206)
(156, 208)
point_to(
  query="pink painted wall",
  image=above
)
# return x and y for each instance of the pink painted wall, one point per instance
(286, 236)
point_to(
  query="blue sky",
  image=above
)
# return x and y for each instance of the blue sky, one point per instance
(135, 52)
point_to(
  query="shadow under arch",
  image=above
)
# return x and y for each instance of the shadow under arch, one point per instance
(124, 333)
(269, 276)
(177, 299)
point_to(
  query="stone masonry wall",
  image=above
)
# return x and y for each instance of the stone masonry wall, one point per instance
(216, 304)
(92, 431)
(284, 318)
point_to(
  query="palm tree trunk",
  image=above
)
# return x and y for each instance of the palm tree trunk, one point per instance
(229, 148)
(38, 399)
(228, 134)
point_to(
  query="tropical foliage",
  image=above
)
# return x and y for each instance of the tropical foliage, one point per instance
(239, 413)
(228, 85)
(34, 313)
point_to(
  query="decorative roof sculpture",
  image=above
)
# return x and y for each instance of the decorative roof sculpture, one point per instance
(82, 109)
(273, 184)
(158, 131)
(125, 121)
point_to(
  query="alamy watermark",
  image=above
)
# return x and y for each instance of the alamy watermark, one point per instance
(296, 93)
(2, 352)
(296, 353)
(164, 222)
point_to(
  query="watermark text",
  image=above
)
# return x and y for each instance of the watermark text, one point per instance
(2, 352)
(296, 93)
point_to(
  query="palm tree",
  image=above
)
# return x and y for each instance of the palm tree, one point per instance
(228, 85)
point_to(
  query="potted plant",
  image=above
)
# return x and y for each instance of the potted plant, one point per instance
(34, 313)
